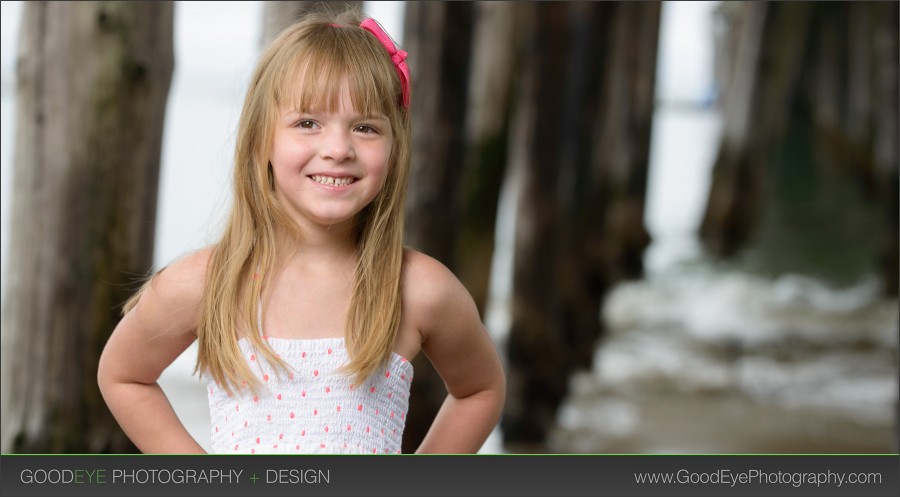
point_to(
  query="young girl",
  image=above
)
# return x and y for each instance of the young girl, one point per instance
(309, 310)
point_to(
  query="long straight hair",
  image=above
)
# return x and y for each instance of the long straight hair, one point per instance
(306, 67)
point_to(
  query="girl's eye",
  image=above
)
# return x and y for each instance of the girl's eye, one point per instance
(365, 129)
(306, 124)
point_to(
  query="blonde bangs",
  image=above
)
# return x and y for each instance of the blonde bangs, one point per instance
(329, 58)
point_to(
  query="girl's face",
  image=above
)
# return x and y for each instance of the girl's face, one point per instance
(329, 165)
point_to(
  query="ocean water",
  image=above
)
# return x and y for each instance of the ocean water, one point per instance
(700, 358)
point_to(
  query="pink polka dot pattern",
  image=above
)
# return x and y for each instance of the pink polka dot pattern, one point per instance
(292, 412)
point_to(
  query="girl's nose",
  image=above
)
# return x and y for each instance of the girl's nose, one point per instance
(337, 145)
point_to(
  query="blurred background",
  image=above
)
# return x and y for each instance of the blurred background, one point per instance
(679, 220)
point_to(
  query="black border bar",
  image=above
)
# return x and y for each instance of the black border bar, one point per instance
(411, 475)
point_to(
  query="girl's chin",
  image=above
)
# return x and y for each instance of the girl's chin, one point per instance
(331, 217)
(332, 221)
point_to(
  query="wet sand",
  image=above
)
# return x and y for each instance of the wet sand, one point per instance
(713, 424)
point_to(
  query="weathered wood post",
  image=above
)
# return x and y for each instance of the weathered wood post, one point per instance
(437, 36)
(578, 154)
(92, 83)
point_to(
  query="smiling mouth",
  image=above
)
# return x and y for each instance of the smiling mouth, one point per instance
(332, 181)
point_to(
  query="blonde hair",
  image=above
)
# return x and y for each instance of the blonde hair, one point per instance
(306, 66)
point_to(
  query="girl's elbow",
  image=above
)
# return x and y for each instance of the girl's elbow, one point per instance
(106, 373)
(104, 378)
(498, 392)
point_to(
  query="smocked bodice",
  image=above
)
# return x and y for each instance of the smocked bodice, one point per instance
(313, 408)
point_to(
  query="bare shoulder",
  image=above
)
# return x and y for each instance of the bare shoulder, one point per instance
(432, 294)
(425, 272)
(186, 276)
(176, 290)
(426, 280)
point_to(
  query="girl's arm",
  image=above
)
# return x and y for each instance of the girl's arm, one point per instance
(150, 336)
(462, 352)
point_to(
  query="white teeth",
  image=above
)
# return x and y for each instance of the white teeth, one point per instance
(331, 181)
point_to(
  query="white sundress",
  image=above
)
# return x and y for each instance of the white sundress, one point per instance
(313, 408)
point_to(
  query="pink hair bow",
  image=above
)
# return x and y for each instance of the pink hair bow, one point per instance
(397, 56)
